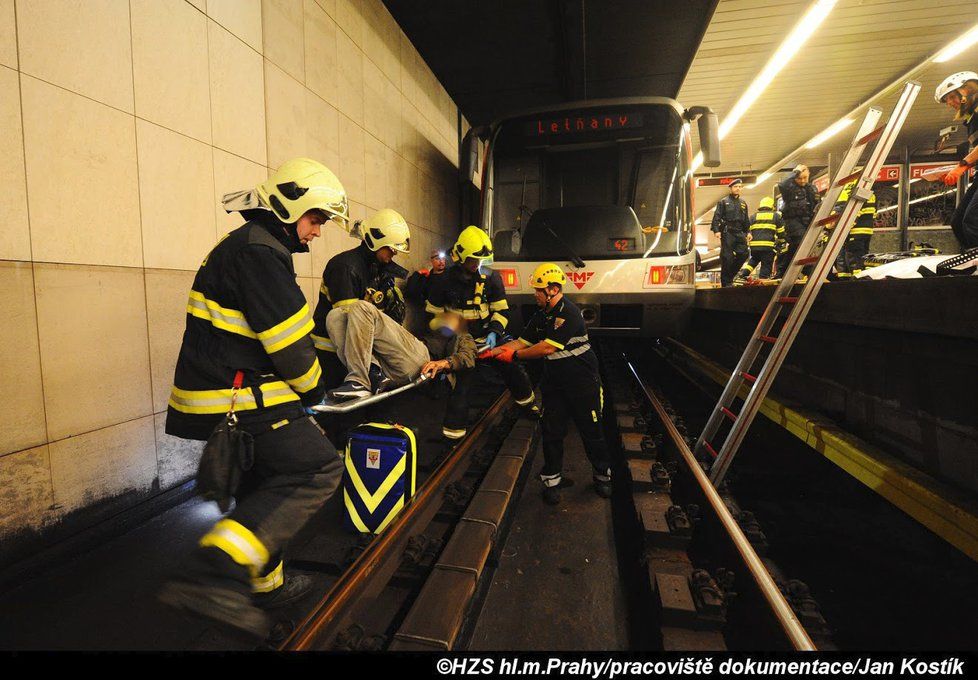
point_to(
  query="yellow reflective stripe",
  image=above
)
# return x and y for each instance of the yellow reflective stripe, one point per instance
(525, 342)
(281, 423)
(351, 510)
(324, 344)
(432, 309)
(755, 243)
(554, 343)
(503, 321)
(230, 320)
(210, 401)
(391, 515)
(601, 397)
(307, 380)
(453, 434)
(283, 334)
(277, 392)
(498, 305)
(748, 268)
(861, 230)
(344, 303)
(372, 500)
(238, 542)
(269, 582)
(525, 402)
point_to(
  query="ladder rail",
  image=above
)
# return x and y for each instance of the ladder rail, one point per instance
(774, 309)
(810, 290)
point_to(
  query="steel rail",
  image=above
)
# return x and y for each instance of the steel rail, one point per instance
(785, 615)
(372, 570)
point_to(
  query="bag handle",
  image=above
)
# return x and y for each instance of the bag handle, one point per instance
(235, 386)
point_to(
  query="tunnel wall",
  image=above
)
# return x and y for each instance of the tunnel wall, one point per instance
(893, 361)
(121, 125)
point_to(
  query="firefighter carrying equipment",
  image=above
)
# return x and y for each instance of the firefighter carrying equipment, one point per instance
(472, 242)
(380, 475)
(245, 313)
(227, 455)
(303, 184)
(548, 274)
(386, 228)
(953, 82)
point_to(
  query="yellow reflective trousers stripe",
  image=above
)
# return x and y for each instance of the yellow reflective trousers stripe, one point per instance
(270, 581)
(240, 544)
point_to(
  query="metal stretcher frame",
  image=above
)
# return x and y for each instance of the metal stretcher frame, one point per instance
(356, 404)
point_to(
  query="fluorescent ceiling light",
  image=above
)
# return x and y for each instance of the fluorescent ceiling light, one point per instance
(829, 132)
(958, 46)
(789, 47)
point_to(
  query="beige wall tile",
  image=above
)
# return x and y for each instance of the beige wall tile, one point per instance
(199, 4)
(176, 196)
(99, 465)
(375, 100)
(286, 116)
(328, 5)
(352, 159)
(310, 290)
(320, 52)
(349, 81)
(82, 46)
(166, 314)
(282, 35)
(381, 38)
(25, 490)
(22, 415)
(334, 240)
(81, 178)
(349, 17)
(8, 34)
(177, 458)
(375, 158)
(169, 40)
(241, 17)
(409, 62)
(232, 173)
(94, 347)
(322, 132)
(302, 262)
(237, 96)
(15, 236)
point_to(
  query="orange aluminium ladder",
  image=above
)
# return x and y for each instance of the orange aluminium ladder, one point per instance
(793, 307)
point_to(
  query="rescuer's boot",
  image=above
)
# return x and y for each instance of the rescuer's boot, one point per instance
(739, 281)
(551, 495)
(221, 605)
(293, 589)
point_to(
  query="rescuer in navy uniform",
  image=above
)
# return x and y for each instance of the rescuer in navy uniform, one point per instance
(571, 384)
(800, 202)
(732, 222)
(959, 92)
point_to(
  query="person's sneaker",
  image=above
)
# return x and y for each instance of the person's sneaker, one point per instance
(739, 281)
(350, 389)
(295, 588)
(227, 607)
(379, 382)
(551, 495)
(603, 489)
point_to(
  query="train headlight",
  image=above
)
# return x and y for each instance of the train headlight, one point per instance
(682, 273)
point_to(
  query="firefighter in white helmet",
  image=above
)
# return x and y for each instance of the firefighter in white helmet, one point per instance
(959, 92)
(248, 334)
(361, 281)
(571, 384)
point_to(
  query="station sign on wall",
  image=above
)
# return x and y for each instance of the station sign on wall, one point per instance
(724, 181)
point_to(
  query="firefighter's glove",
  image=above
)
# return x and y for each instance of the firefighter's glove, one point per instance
(491, 340)
(505, 354)
(951, 178)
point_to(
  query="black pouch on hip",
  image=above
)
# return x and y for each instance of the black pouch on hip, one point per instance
(229, 452)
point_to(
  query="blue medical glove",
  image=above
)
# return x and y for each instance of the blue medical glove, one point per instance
(491, 340)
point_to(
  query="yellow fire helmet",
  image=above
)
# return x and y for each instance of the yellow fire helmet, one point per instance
(303, 184)
(767, 203)
(386, 228)
(472, 242)
(548, 274)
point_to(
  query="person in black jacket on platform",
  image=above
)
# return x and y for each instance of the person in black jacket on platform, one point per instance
(248, 339)
(800, 202)
(731, 221)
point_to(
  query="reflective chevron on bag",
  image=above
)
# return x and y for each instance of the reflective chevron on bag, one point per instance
(380, 475)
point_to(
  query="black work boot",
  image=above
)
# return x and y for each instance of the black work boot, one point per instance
(225, 606)
(531, 410)
(294, 589)
(551, 495)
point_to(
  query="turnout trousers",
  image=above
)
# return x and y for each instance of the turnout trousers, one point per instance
(733, 252)
(795, 230)
(457, 411)
(850, 260)
(964, 222)
(759, 257)
(296, 469)
(580, 401)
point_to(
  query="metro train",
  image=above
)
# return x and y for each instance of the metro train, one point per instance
(605, 189)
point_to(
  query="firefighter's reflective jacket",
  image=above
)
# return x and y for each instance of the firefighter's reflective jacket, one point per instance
(245, 312)
(478, 298)
(766, 229)
(863, 226)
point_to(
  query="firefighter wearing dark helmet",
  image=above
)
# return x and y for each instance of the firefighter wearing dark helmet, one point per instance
(731, 222)
(571, 384)
(248, 334)
(479, 298)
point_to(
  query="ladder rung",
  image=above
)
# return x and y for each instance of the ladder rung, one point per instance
(871, 136)
(831, 219)
(727, 412)
(807, 260)
(709, 448)
(768, 339)
(848, 178)
(787, 300)
(748, 377)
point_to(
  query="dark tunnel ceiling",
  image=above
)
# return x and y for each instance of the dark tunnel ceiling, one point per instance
(496, 57)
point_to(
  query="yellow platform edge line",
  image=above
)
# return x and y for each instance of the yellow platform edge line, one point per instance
(922, 497)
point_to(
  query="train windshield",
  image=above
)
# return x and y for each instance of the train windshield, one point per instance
(601, 183)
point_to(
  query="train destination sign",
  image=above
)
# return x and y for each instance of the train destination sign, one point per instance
(584, 122)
